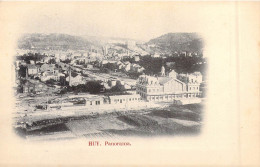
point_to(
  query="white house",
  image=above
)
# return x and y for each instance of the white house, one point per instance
(75, 79)
(127, 66)
(32, 69)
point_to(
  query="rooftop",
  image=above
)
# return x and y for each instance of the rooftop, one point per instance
(163, 80)
(31, 66)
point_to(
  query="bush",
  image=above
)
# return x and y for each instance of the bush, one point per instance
(94, 87)
(50, 82)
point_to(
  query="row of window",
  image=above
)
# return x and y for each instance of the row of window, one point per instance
(172, 96)
(166, 97)
(129, 99)
(194, 88)
(94, 102)
(149, 90)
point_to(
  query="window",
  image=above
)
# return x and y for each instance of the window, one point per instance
(90, 102)
(97, 102)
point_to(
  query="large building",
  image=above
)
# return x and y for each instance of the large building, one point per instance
(74, 79)
(166, 88)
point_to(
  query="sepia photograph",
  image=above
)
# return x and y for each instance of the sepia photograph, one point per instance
(155, 83)
(89, 84)
(78, 86)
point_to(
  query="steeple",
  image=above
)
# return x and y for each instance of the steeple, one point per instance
(163, 71)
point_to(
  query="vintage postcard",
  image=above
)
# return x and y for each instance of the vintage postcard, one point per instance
(129, 83)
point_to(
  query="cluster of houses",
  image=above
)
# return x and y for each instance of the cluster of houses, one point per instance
(124, 66)
(44, 72)
(130, 49)
(176, 88)
(127, 66)
(63, 74)
(38, 74)
(150, 88)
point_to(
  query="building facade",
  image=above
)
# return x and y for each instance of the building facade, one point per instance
(166, 88)
(32, 69)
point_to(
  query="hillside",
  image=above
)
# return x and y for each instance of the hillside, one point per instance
(171, 42)
(53, 42)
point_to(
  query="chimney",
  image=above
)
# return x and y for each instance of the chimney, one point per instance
(69, 76)
(26, 73)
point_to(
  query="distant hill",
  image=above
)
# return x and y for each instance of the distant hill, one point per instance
(168, 43)
(56, 41)
(171, 42)
(53, 42)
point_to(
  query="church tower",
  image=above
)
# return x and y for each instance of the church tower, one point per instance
(163, 71)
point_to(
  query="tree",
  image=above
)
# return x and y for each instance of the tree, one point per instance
(151, 65)
(67, 61)
(118, 88)
(111, 66)
(134, 75)
(50, 82)
(52, 61)
(94, 87)
(22, 71)
(130, 59)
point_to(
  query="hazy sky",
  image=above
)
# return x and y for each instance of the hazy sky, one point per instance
(137, 20)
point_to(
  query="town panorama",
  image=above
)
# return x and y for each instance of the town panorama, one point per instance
(71, 86)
